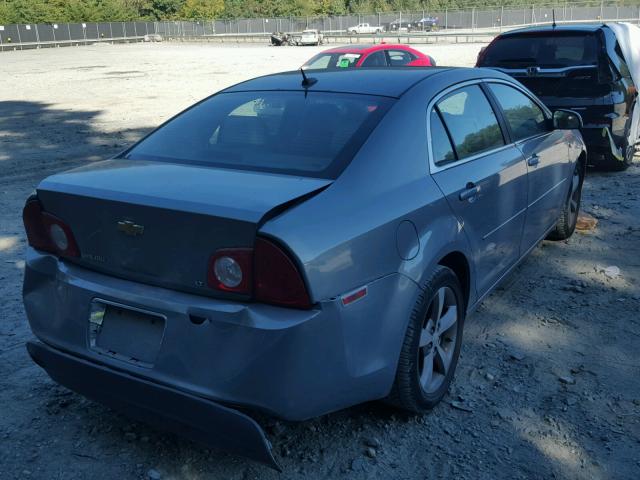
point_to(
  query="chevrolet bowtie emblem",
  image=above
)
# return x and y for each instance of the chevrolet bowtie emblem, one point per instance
(130, 228)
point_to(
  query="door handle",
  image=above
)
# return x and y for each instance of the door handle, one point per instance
(470, 193)
(533, 160)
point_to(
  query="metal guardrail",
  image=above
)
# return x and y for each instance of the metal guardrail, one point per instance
(66, 43)
(342, 38)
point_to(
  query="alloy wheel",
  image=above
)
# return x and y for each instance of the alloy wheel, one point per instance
(438, 340)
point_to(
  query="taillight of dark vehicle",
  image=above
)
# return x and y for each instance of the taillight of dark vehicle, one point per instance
(266, 272)
(47, 232)
(481, 54)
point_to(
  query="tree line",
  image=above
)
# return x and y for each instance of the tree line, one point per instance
(50, 11)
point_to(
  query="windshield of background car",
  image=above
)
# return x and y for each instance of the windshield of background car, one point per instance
(333, 60)
(544, 51)
(314, 134)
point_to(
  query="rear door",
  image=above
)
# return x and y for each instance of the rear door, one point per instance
(546, 154)
(482, 175)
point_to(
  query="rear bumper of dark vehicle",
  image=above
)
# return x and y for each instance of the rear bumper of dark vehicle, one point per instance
(196, 418)
(602, 146)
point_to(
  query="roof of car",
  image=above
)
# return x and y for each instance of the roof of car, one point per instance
(575, 27)
(367, 48)
(390, 82)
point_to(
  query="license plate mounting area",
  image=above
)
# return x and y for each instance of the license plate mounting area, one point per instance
(126, 333)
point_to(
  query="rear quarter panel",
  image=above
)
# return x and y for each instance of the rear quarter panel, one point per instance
(346, 236)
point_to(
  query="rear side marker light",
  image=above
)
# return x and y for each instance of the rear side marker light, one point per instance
(47, 232)
(354, 296)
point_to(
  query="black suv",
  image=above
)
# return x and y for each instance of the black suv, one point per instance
(580, 67)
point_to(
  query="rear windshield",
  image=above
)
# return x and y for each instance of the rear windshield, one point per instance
(333, 60)
(311, 134)
(544, 51)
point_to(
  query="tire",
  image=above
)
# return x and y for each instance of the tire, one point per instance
(621, 166)
(566, 224)
(415, 388)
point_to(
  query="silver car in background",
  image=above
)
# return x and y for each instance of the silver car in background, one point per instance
(310, 37)
(295, 245)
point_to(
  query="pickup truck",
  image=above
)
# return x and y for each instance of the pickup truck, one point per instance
(364, 28)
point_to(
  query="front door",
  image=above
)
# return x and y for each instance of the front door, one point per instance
(546, 155)
(483, 177)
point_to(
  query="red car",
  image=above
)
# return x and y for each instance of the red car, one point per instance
(381, 55)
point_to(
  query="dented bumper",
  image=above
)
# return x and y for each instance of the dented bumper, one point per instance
(287, 363)
(196, 418)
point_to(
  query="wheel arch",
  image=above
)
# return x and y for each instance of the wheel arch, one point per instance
(582, 160)
(459, 264)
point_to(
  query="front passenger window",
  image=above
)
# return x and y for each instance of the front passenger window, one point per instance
(525, 118)
(471, 121)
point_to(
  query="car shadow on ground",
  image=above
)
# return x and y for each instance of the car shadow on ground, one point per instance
(37, 139)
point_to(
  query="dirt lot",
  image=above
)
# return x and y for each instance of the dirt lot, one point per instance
(548, 385)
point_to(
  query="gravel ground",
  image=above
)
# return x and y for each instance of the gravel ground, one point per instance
(547, 386)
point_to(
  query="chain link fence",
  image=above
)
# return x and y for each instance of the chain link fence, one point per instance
(14, 37)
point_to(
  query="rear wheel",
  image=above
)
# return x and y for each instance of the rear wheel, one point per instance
(566, 224)
(431, 345)
(619, 166)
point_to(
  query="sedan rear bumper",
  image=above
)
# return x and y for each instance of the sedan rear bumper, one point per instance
(292, 364)
(196, 418)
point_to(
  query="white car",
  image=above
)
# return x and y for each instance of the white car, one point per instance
(365, 28)
(310, 37)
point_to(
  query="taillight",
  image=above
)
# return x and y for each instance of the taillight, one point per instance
(230, 270)
(276, 278)
(481, 54)
(265, 272)
(47, 232)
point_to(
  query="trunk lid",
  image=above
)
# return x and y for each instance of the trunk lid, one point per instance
(159, 223)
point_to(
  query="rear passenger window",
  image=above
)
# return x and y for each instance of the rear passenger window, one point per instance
(376, 59)
(440, 143)
(525, 118)
(399, 58)
(471, 121)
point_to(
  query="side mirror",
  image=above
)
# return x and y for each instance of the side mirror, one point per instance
(567, 120)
